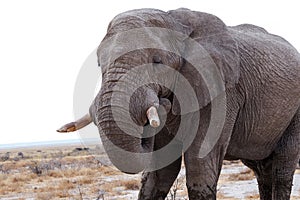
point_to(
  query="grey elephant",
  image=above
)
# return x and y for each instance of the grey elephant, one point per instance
(260, 80)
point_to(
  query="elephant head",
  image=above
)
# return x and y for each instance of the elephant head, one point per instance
(136, 80)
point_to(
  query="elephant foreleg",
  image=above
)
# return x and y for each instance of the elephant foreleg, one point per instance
(263, 173)
(202, 173)
(156, 184)
(285, 158)
(202, 176)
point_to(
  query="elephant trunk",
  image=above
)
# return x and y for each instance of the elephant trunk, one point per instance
(120, 119)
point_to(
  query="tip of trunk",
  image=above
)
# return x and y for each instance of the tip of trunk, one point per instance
(74, 126)
(70, 127)
(128, 162)
(127, 153)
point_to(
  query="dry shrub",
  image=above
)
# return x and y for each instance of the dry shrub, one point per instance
(45, 195)
(127, 184)
(22, 163)
(55, 174)
(3, 177)
(222, 196)
(57, 190)
(69, 173)
(96, 189)
(109, 186)
(108, 171)
(14, 183)
(40, 180)
(45, 189)
(56, 194)
(8, 187)
(178, 189)
(62, 194)
(8, 165)
(295, 198)
(247, 174)
(86, 172)
(253, 196)
(69, 160)
(131, 184)
(85, 180)
(65, 185)
(23, 177)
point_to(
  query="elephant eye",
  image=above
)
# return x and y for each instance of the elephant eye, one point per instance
(157, 59)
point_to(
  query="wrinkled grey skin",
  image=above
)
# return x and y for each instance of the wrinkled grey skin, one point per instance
(261, 72)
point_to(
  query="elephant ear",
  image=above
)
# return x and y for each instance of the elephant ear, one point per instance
(190, 93)
(210, 61)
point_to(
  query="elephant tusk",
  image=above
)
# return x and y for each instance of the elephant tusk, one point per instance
(153, 117)
(74, 126)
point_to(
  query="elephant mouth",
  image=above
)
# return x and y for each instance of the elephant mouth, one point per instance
(147, 140)
(153, 124)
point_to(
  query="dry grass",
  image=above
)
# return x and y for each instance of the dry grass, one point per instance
(109, 171)
(54, 194)
(253, 196)
(295, 198)
(86, 180)
(222, 196)
(120, 184)
(54, 174)
(247, 174)
(69, 174)
(14, 183)
(8, 186)
(131, 184)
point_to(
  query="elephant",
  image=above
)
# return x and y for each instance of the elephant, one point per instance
(155, 96)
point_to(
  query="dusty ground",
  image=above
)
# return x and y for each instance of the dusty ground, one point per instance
(77, 173)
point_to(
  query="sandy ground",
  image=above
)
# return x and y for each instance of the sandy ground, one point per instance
(73, 172)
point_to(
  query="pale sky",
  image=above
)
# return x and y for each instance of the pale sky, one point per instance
(43, 45)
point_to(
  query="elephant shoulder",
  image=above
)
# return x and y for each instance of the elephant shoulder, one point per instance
(256, 35)
(249, 28)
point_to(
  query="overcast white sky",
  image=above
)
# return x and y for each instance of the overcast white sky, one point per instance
(43, 45)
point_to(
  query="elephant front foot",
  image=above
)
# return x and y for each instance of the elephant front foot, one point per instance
(202, 192)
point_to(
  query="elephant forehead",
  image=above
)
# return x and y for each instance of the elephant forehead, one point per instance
(138, 17)
(140, 38)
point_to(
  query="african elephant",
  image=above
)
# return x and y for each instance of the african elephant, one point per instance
(258, 72)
